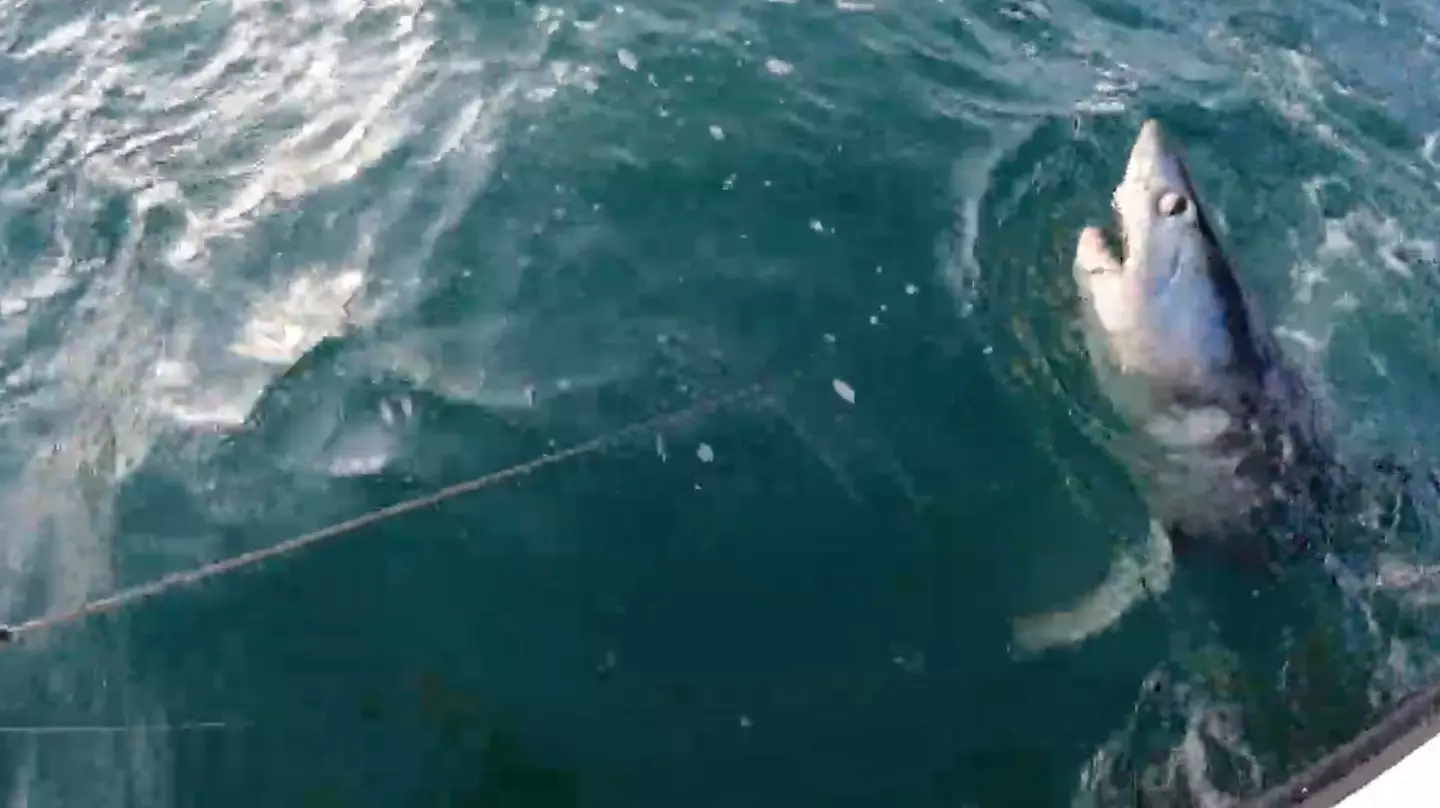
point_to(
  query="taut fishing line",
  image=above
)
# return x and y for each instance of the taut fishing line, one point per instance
(176, 580)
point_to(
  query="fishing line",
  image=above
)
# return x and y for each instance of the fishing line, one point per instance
(176, 580)
(115, 729)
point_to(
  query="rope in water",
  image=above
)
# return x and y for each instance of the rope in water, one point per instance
(115, 729)
(175, 580)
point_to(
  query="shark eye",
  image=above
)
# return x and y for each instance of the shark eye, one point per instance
(1173, 204)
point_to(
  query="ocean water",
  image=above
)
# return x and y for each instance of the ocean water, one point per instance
(266, 265)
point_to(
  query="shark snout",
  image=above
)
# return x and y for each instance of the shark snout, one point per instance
(1148, 153)
(1153, 164)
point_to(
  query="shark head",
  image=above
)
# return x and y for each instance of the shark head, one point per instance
(1166, 307)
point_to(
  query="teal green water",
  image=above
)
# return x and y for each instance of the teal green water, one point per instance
(271, 265)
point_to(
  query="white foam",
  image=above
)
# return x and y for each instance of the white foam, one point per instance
(970, 180)
(778, 67)
(1180, 714)
(290, 102)
(286, 323)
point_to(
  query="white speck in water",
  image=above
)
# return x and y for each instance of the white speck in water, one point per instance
(879, 270)
(817, 226)
(884, 307)
(987, 350)
(844, 391)
(910, 661)
(627, 59)
(830, 338)
(779, 67)
(745, 722)
(660, 447)
(729, 183)
(563, 384)
(529, 395)
(169, 371)
(716, 132)
(911, 289)
(705, 453)
(874, 320)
